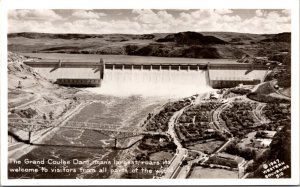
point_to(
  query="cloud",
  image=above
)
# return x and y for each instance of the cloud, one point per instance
(270, 22)
(276, 17)
(34, 14)
(223, 11)
(93, 26)
(234, 19)
(204, 14)
(151, 21)
(150, 17)
(146, 16)
(208, 20)
(31, 26)
(286, 12)
(259, 13)
(84, 14)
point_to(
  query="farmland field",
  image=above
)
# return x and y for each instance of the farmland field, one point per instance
(208, 147)
(207, 173)
(161, 156)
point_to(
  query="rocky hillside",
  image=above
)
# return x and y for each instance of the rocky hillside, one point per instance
(31, 95)
(22, 76)
(13, 58)
(183, 44)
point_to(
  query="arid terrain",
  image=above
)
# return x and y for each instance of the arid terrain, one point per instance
(183, 44)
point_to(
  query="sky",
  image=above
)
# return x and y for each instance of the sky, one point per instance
(145, 21)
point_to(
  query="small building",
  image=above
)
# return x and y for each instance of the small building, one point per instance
(209, 131)
(265, 134)
(214, 95)
(270, 134)
(223, 101)
(261, 142)
(161, 140)
(264, 140)
(261, 58)
(235, 158)
(193, 97)
(227, 160)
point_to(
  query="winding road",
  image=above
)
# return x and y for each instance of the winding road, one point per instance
(174, 170)
(181, 152)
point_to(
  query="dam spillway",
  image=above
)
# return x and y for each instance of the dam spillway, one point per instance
(152, 78)
(154, 82)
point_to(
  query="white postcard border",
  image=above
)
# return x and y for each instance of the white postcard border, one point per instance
(157, 4)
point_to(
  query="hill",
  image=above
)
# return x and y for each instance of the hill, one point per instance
(191, 38)
(281, 37)
(184, 44)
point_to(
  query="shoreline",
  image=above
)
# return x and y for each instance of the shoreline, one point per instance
(46, 135)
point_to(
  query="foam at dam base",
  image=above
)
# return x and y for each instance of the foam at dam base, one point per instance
(153, 83)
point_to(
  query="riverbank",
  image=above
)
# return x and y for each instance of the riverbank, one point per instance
(21, 149)
(127, 112)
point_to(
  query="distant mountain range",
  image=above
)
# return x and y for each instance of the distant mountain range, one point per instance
(182, 44)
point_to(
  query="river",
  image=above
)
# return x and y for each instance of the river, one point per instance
(72, 149)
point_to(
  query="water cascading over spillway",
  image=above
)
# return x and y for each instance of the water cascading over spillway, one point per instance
(153, 82)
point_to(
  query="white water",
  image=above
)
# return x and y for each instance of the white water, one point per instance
(153, 82)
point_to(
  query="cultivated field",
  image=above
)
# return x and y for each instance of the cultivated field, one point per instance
(208, 147)
(207, 173)
(160, 156)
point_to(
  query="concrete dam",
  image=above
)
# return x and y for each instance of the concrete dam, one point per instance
(149, 78)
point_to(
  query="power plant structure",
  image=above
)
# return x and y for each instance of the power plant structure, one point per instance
(94, 74)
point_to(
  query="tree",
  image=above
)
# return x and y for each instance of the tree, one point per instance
(51, 115)
(184, 163)
(19, 85)
(44, 116)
